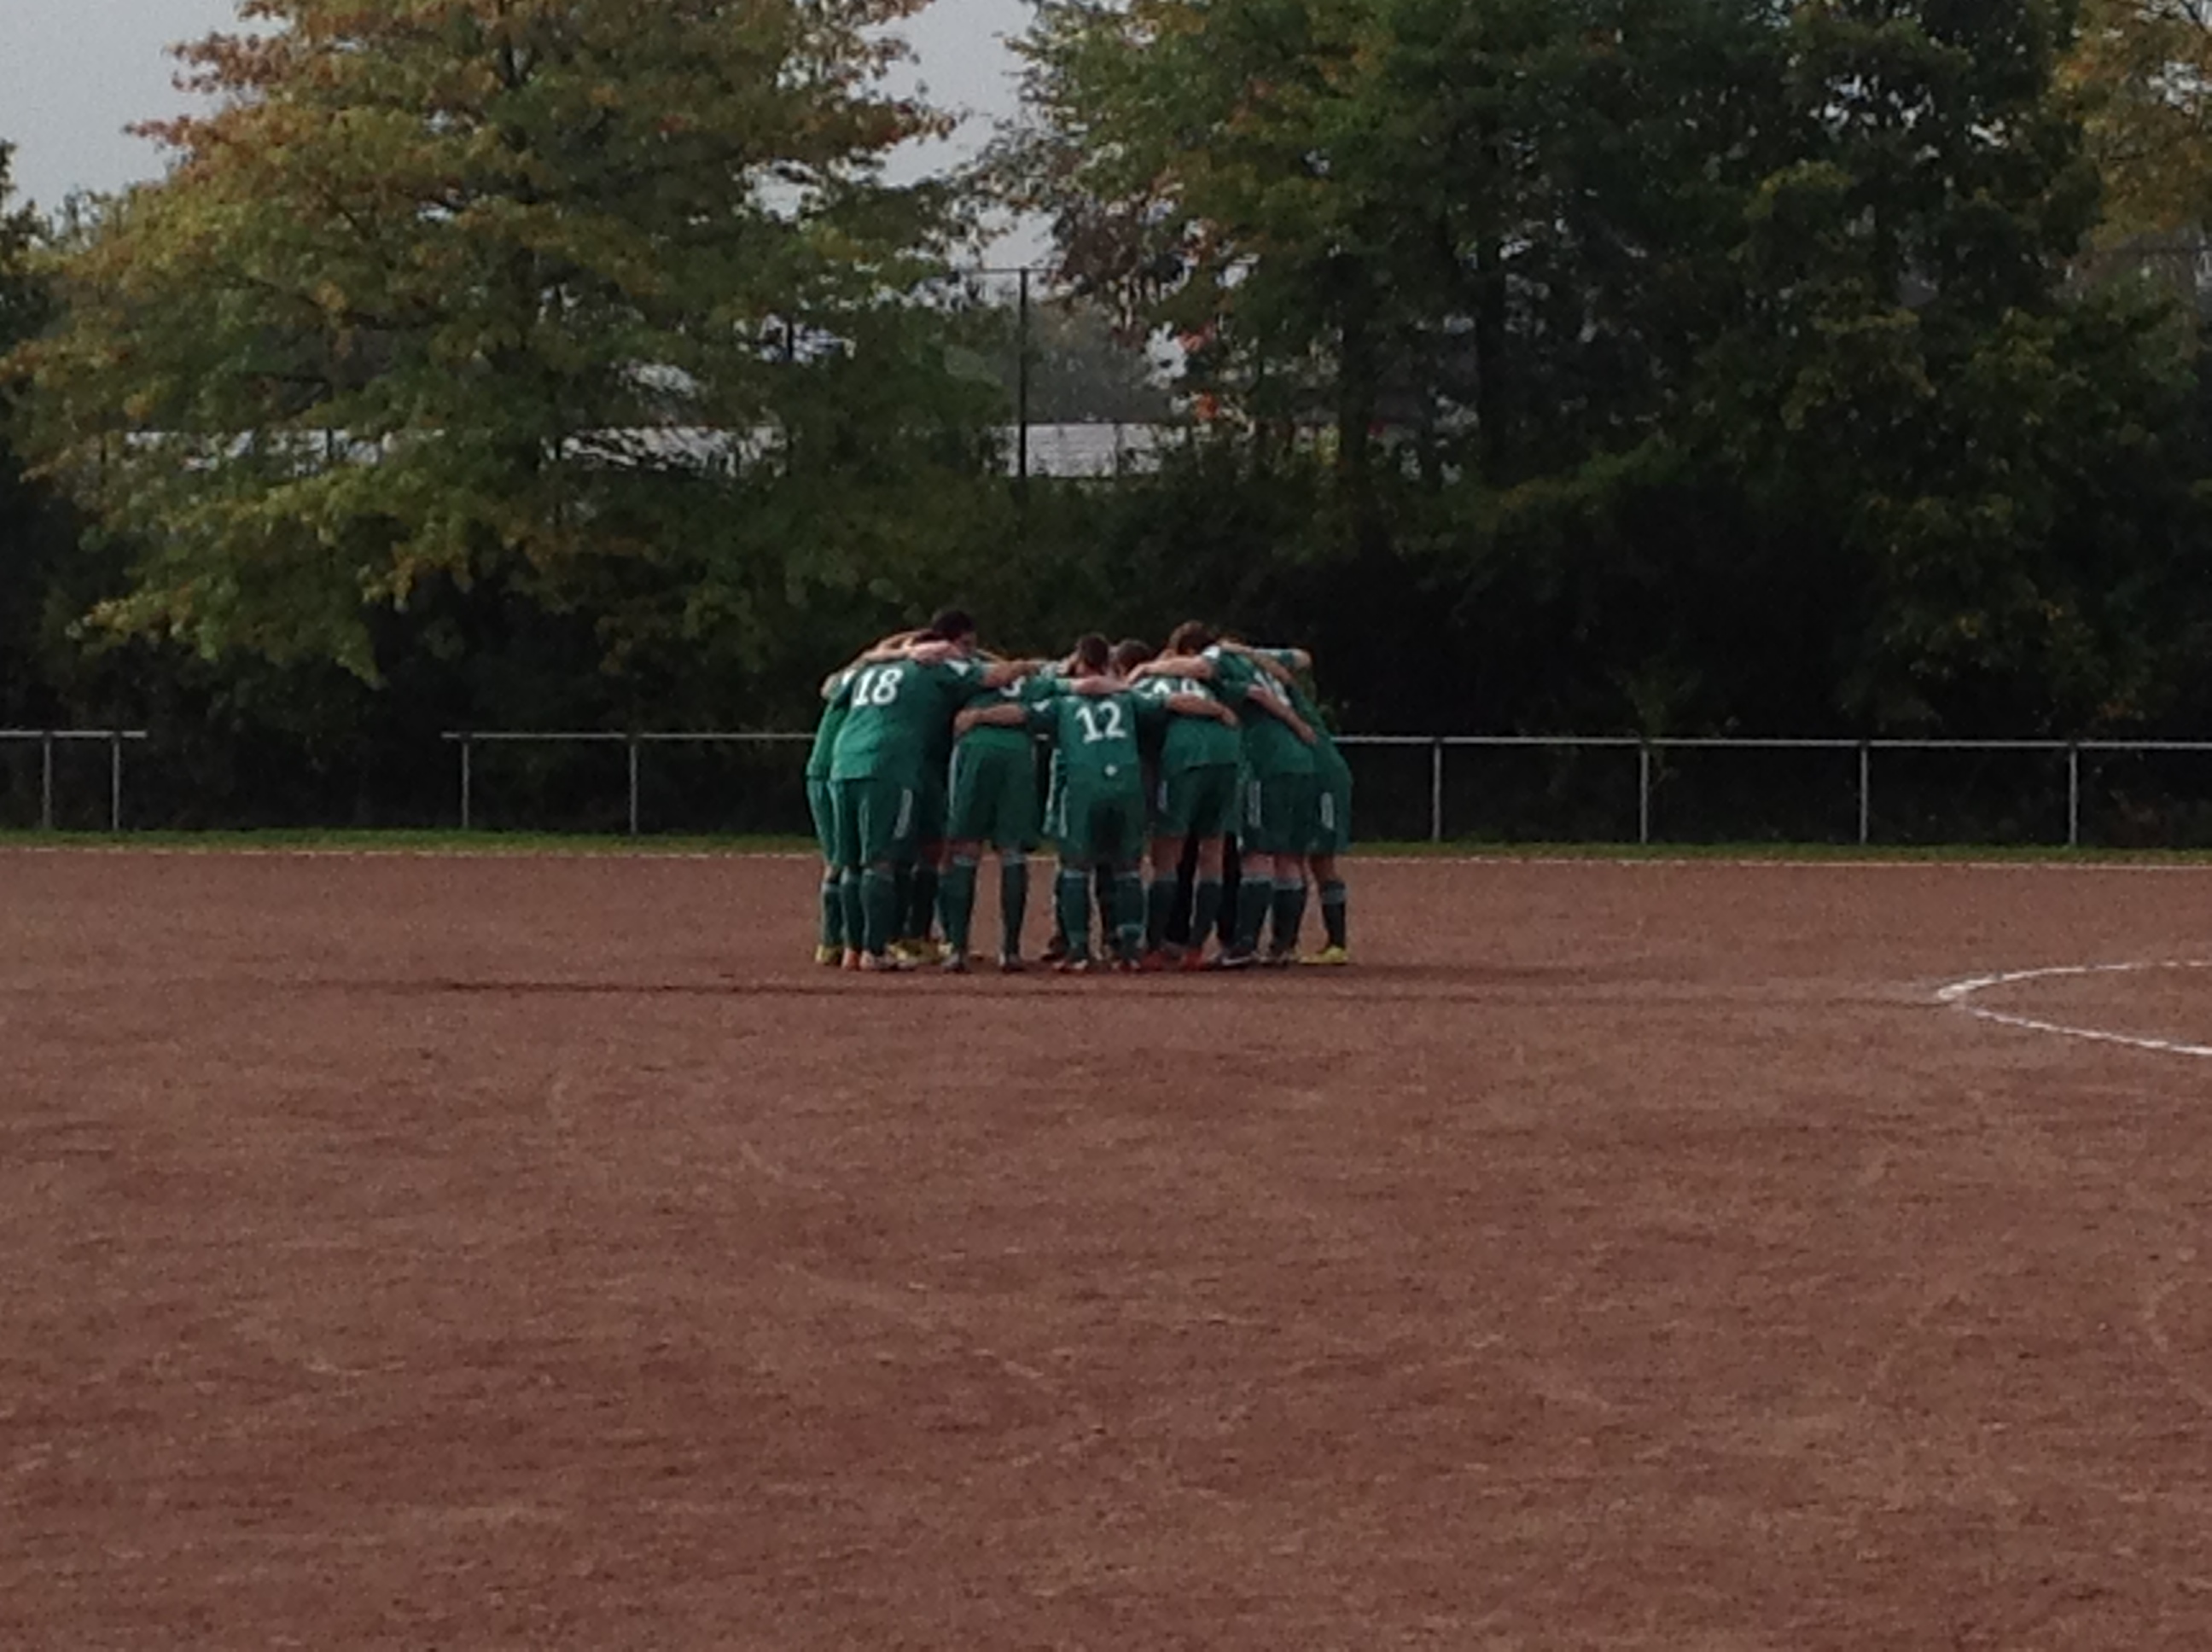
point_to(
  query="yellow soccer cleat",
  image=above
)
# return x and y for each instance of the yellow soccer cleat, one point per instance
(830, 957)
(1328, 958)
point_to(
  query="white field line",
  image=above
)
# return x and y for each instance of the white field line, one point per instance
(1961, 994)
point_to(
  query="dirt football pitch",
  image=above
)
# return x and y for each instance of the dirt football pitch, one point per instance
(507, 1252)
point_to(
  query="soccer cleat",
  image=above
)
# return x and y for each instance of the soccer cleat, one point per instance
(1237, 960)
(851, 958)
(1328, 957)
(1280, 958)
(955, 963)
(830, 957)
(1074, 963)
(883, 964)
(1194, 960)
(1055, 949)
(1011, 963)
(1153, 961)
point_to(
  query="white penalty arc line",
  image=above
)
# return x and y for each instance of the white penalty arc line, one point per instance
(1960, 995)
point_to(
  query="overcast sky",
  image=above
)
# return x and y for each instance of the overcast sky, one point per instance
(74, 73)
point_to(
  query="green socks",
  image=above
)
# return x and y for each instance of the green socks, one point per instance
(1074, 893)
(1290, 906)
(1205, 912)
(956, 904)
(1013, 902)
(1254, 896)
(833, 909)
(1159, 906)
(1129, 914)
(879, 893)
(1331, 912)
(852, 887)
(922, 915)
(902, 900)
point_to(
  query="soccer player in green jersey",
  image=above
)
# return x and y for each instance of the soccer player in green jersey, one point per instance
(1332, 833)
(1195, 797)
(1092, 672)
(993, 801)
(1275, 830)
(1096, 722)
(919, 882)
(896, 713)
(820, 800)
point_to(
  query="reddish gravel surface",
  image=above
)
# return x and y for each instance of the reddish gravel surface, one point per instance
(525, 1253)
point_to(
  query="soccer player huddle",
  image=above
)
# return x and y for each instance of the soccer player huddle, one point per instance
(926, 758)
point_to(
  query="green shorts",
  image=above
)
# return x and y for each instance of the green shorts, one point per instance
(1102, 827)
(1279, 815)
(876, 822)
(1333, 809)
(822, 804)
(1198, 802)
(994, 797)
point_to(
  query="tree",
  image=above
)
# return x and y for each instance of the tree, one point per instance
(33, 538)
(2143, 68)
(1912, 397)
(464, 311)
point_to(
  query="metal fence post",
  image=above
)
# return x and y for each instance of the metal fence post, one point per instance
(115, 781)
(633, 786)
(47, 781)
(1866, 793)
(1643, 791)
(1437, 793)
(467, 780)
(2073, 795)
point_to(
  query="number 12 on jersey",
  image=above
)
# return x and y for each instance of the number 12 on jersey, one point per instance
(1101, 722)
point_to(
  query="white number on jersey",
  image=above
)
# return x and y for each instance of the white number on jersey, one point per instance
(877, 686)
(1166, 687)
(1101, 722)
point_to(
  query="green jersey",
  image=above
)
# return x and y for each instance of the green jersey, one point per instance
(1324, 746)
(825, 731)
(899, 719)
(1097, 736)
(1270, 748)
(1029, 693)
(1192, 742)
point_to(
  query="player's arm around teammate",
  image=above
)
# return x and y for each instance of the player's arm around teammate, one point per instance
(821, 798)
(1195, 801)
(1102, 823)
(994, 802)
(1331, 826)
(900, 720)
(1274, 831)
